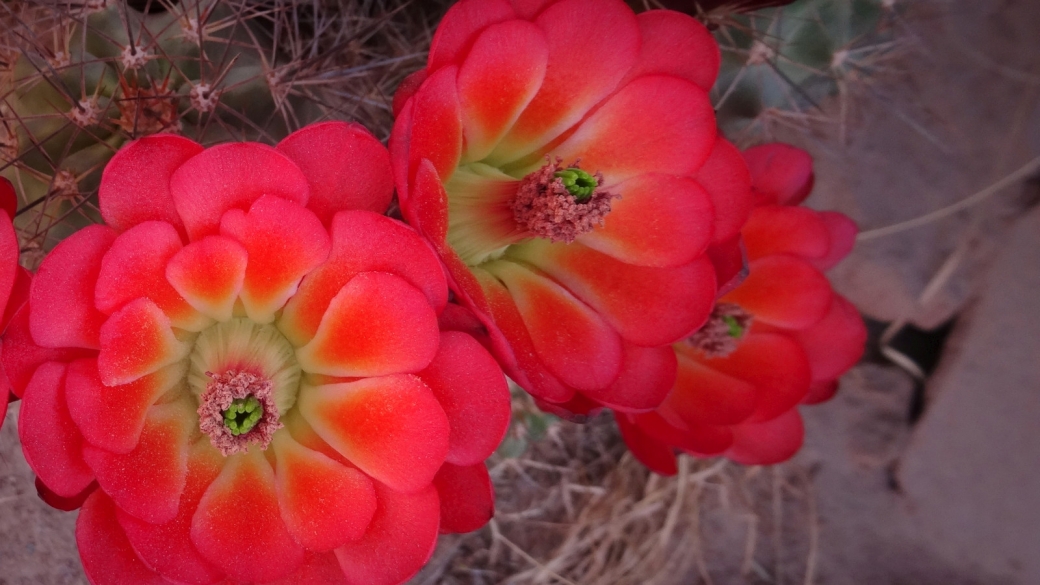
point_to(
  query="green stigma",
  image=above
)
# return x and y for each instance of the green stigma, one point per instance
(735, 330)
(242, 415)
(577, 182)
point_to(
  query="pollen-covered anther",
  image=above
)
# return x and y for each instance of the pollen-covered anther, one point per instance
(561, 203)
(238, 410)
(723, 331)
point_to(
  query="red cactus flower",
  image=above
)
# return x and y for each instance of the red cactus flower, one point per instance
(780, 338)
(246, 363)
(562, 157)
(14, 280)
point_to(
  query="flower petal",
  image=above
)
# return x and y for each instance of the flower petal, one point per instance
(399, 541)
(655, 124)
(21, 356)
(836, 342)
(473, 392)
(497, 80)
(466, 495)
(209, 274)
(780, 173)
(783, 291)
(8, 198)
(726, 178)
(324, 503)
(573, 342)
(703, 395)
(103, 548)
(8, 260)
(696, 439)
(362, 242)
(843, 237)
(461, 25)
(136, 341)
(255, 546)
(63, 313)
(776, 365)
(676, 44)
(660, 220)
(646, 377)
(647, 306)
(377, 324)
(768, 443)
(317, 569)
(654, 454)
(798, 231)
(283, 242)
(51, 443)
(391, 427)
(346, 168)
(436, 129)
(147, 482)
(135, 267)
(112, 417)
(232, 176)
(135, 185)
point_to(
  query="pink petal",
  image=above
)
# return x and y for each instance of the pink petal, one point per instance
(62, 293)
(776, 365)
(147, 482)
(283, 242)
(399, 145)
(8, 260)
(647, 306)
(660, 220)
(19, 296)
(466, 495)
(676, 44)
(461, 25)
(798, 231)
(346, 168)
(836, 342)
(135, 267)
(232, 176)
(391, 427)
(843, 238)
(136, 341)
(529, 9)
(209, 274)
(377, 324)
(50, 441)
(768, 443)
(705, 396)
(657, 456)
(361, 242)
(783, 291)
(780, 173)
(135, 185)
(254, 547)
(324, 503)
(726, 178)
(588, 56)
(497, 80)
(436, 129)
(104, 550)
(573, 342)
(474, 395)
(655, 124)
(112, 417)
(21, 356)
(646, 377)
(400, 540)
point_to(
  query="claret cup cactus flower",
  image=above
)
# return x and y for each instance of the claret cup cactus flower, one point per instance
(562, 157)
(14, 280)
(244, 375)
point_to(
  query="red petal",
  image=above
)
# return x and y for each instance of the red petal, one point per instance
(361, 242)
(377, 324)
(461, 25)
(232, 176)
(62, 503)
(19, 296)
(317, 569)
(497, 80)
(135, 267)
(111, 417)
(726, 178)
(406, 89)
(391, 427)
(8, 198)
(647, 306)
(706, 396)
(136, 341)
(657, 456)
(821, 392)
(573, 342)
(730, 262)
(346, 168)
(780, 173)
(283, 242)
(51, 442)
(324, 503)
(676, 44)
(62, 293)
(436, 130)
(135, 185)
(655, 124)
(647, 375)
(836, 342)
(21, 356)
(238, 526)
(660, 220)
(209, 274)
(148, 481)
(473, 392)
(843, 238)
(400, 540)
(783, 291)
(768, 443)
(104, 550)
(466, 495)
(427, 209)
(775, 364)
(8, 260)
(798, 231)
(588, 56)
(696, 439)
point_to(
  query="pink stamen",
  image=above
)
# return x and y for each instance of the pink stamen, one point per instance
(716, 338)
(222, 390)
(543, 206)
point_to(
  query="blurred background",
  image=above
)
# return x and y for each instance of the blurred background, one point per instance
(923, 118)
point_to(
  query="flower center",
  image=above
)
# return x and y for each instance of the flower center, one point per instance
(560, 204)
(243, 414)
(238, 410)
(721, 335)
